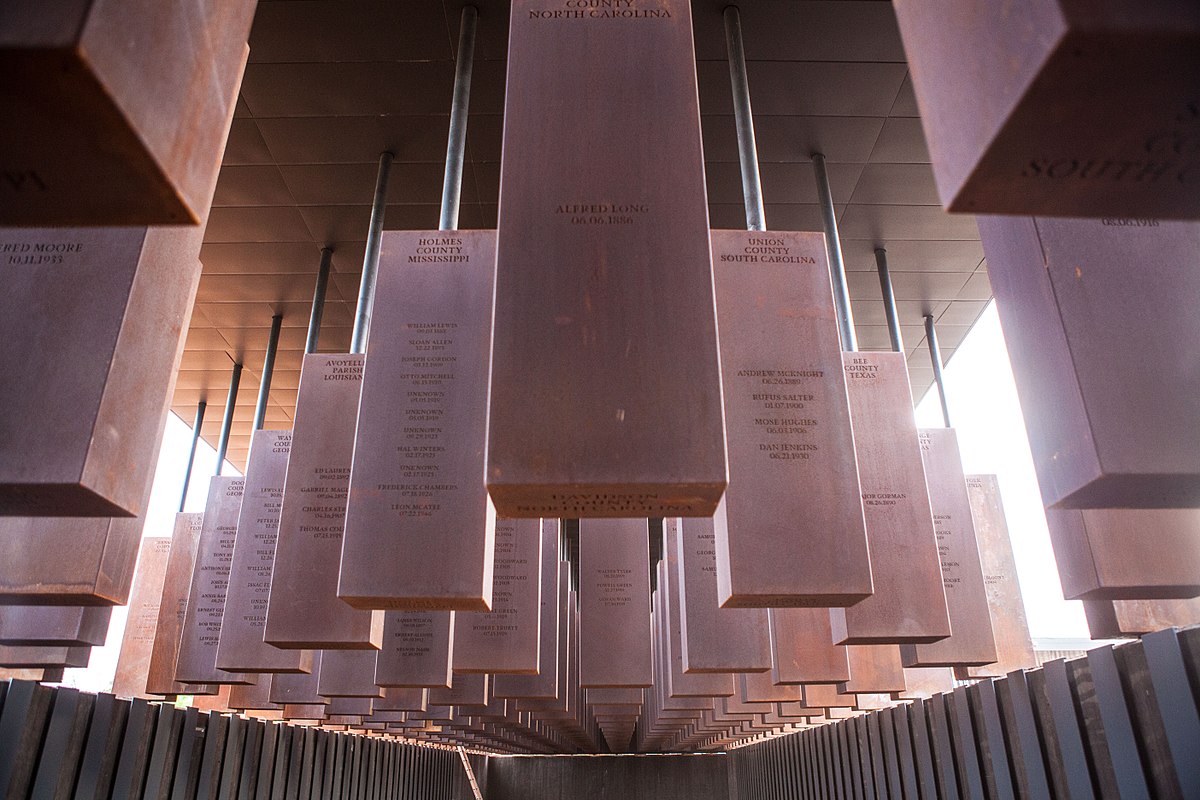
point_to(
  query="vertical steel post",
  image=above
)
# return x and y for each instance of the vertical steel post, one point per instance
(187, 473)
(227, 421)
(935, 356)
(264, 385)
(833, 247)
(366, 287)
(889, 299)
(747, 147)
(318, 303)
(460, 104)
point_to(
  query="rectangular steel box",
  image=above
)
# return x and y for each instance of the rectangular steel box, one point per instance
(971, 642)
(303, 610)
(73, 626)
(605, 389)
(614, 603)
(909, 602)
(1082, 108)
(102, 312)
(172, 605)
(122, 106)
(241, 648)
(137, 643)
(1099, 325)
(67, 561)
(1127, 553)
(791, 529)
(415, 485)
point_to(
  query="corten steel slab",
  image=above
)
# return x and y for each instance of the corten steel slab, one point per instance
(213, 702)
(253, 696)
(605, 390)
(1126, 554)
(670, 635)
(242, 648)
(1014, 648)
(713, 639)
(348, 673)
(201, 628)
(790, 531)
(68, 561)
(56, 625)
(614, 603)
(137, 644)
(304, 711)
(909, 603)
(505, 639)
(395, 699)
(825, 695)
(466, 690)
(554, 577)
(43, 656)
(1081, 109)
(1115, 619)
(874, 668)
(172, 605)
(298, 688)
(125, 108)
(419, 452)
(304, 611)
(972, 642)
(346, 705)
(802, 648)
(112, 304)
(760, 687)
(1109, 408)
(418, 649)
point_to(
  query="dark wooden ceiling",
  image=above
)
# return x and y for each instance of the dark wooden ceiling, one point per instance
(332, 83)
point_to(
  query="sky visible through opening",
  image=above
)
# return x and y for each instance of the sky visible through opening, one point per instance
(983, 409)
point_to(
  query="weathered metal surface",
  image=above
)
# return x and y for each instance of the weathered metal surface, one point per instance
(241, 648)
(82, 440)
(1014, 647)
(172, 605)
(713, 639)
(909, 602)
(1115, 619)
(91, 85)
(201, 628)
(760, 687)
(298, 688)
(802, 648)
(418, 453)
(418, 649)
(254, 696)
(1126, 554)
(1011, 116)
(62, 625)
(604, 274)
(1059, 284)
(790, 531)
(348, 673)
(43, 656)
(554, 577)
(466, 690)
(874, 668)
(505, 639)
(137, 644)
(614, 603)
(668, 616)
(972, 642)
(303, 611)
(94, 563)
